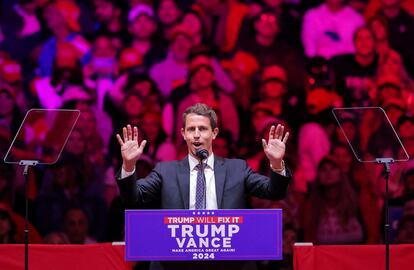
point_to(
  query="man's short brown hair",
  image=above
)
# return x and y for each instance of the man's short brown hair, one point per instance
(203, 110)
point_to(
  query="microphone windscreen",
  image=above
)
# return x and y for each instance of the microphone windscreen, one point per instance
(202, 154)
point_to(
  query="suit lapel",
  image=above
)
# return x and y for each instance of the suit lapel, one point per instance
(184, 181)
(220, 177)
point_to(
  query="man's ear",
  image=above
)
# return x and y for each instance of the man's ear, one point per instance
(183, 133)
(215, 133)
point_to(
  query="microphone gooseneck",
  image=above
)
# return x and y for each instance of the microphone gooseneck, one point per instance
(202, 154)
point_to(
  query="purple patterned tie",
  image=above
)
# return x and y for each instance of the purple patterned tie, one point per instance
(200, 187)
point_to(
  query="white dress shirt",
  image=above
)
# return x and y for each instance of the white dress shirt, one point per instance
(211, 200)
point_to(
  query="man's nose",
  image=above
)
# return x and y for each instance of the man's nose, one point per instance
(197, 133)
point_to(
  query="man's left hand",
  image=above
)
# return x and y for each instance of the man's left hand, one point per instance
(276, 146)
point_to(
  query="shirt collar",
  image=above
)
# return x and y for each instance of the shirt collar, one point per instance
(194, 162)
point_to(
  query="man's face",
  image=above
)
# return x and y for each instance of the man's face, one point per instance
(103, 47)
(181, 46)
(76, 226)
(393, 64)
(267, 25)
(273, 90)
(198, 133)
(168, 12)
(329, 174)
(364, 43)
(133, 106)
(142, 27)
(76, 143)
(195, 25)
(104, 11)
(202, 78)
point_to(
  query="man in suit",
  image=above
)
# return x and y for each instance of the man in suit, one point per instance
(227, 182)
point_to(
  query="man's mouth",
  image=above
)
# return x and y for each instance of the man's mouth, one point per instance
(197, 144)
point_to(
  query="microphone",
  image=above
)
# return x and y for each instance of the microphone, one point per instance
(202, 154)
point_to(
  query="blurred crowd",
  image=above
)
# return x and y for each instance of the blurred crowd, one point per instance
(255, 62)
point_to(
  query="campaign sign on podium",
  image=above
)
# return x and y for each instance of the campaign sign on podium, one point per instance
(185, 235)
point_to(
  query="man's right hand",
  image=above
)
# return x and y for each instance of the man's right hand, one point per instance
(131, 151)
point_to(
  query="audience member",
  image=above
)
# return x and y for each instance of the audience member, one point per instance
(203, 88)
(405, 230)
(169, 14)
(110, 21)
(401, 30)
(76, 226)
(269, 49)
(354, 72)
(142, 26)
(7, 228)
(331, 215)
(62, 18)
(328, 29)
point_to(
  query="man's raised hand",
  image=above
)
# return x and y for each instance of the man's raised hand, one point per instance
(131, 150)
(276, 146)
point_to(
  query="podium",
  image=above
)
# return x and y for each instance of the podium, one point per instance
(351, 257)
(203, 235)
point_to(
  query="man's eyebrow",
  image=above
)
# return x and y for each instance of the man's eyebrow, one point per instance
(199, 126)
